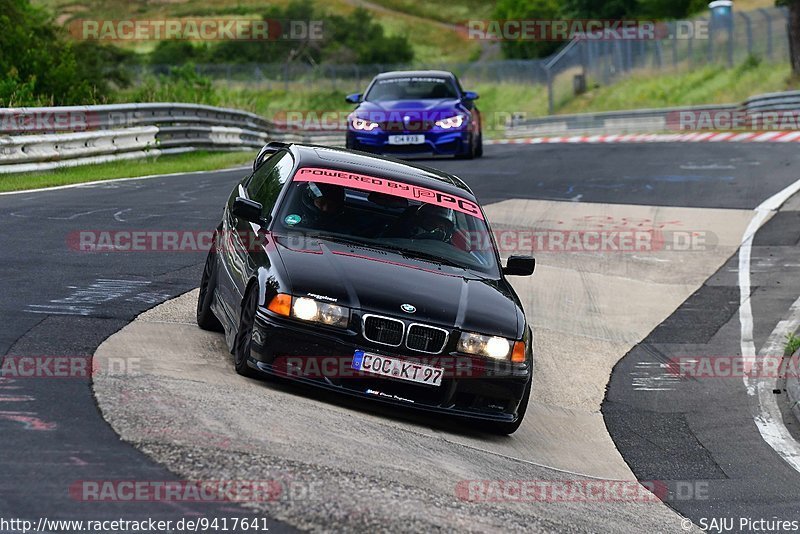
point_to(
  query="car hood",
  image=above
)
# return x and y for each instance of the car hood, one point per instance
(442, 108)
(376, 281)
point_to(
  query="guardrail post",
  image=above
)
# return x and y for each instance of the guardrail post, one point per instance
(590, 53)
(767, 18)
(583, 45)
(642, 59)
(550, 99)
(657, 56)
(711, 35)
(628, 56)
(749, 27)
(674, 47)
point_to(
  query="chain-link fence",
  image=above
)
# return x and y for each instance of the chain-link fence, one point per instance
(678, 46)
(354, 77)
(675, 46)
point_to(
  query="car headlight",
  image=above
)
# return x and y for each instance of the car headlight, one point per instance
(363, 124)
(307, 309)
(494, 347)
(451, 122)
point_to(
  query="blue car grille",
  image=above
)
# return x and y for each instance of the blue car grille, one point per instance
(410, 126)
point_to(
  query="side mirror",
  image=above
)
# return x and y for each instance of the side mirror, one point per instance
(471, 95)
(355, 98)
(519, 266)
(249, 210)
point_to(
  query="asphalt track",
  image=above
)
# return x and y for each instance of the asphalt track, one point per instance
(60, 302)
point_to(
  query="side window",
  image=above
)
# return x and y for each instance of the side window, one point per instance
(266, 183)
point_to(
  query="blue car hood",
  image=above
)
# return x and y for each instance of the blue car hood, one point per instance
(393, 109)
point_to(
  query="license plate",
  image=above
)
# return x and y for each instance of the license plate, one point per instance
(406, 139)
(395, 368)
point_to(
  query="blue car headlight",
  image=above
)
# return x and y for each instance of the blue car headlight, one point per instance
(363, 124)
(451, 122)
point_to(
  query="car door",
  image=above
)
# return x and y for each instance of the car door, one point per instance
(245, 254)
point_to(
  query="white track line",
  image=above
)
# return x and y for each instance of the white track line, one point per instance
(695, 137)
(771, 427)
(112, 180)
(768, 416)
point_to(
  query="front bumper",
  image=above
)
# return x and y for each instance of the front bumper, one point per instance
(444, 143)
(471, 387)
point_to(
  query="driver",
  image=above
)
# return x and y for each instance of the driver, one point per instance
(323, 207)
(431, 222)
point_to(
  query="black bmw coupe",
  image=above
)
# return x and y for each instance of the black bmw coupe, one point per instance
(373, 277)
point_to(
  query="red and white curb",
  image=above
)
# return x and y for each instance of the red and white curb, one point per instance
(695, 137)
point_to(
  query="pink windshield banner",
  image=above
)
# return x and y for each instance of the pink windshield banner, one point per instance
(388, 187)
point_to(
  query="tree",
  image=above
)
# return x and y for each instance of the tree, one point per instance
(40, 66)
(600, 9)
(355, 38)
(670, 9)
(794, 33)
(528, 10)
(359, 38)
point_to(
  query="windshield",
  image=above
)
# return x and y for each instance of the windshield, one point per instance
(411, 88)
(416, 222)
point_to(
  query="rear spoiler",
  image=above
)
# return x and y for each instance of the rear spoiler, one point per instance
(268, 150)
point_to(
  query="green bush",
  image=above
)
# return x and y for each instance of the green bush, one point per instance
(40, 66)
(355, 38)
(180, 84)
(528, 10)
(585, 9)
(176, 53)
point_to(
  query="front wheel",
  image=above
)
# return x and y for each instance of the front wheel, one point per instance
(208, 285)
(470, 152)
(479, 148)
(244, 336)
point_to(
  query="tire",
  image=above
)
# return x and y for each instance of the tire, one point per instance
(208, 285)
(505, 429)
(244, 335)
(479, 148)
(470, 153)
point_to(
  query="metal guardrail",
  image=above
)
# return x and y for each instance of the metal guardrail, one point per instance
(48, 138)
(112, 116)
(644, 120)
(77, 135)
(610, 122)
(786, 101)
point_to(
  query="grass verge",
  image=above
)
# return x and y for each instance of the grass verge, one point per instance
(709, 85)
(166, 164)
(792, 343)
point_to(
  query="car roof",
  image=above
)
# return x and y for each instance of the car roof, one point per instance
(380, 166)
(401, 73)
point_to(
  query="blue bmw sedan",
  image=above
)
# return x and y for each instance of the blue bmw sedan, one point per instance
(415, 112)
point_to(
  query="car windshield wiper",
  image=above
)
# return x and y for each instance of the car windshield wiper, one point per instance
(425, 256)
(345, 240)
